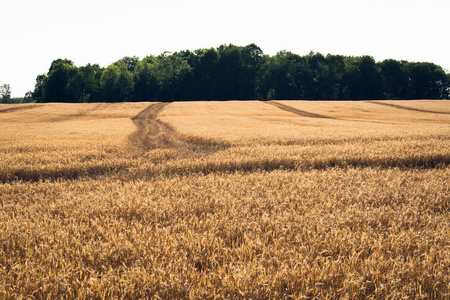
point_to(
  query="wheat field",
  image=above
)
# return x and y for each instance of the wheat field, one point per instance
(225, 200)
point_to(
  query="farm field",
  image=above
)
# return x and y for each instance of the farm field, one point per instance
(236, 199)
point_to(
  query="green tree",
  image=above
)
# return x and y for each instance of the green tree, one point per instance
(251, 59)
(282, 77)
(371, 77)
(362, 79)
(229, 68)
(28, 98)
(174, 76)
(116, 83)
(315, 79)
(131, 62)
(90, 83)
(5, 93)
(447, 87)
(352, 80)
(146, 86)
(429, 81)
(335, 72)
(396, 80)
(39, 87)
(206, 74)
(62, 83)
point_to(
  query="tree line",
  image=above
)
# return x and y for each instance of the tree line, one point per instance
(5, 96)
(231, 72)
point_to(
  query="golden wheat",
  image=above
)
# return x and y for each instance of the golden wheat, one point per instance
(232, 123)
(225, 200)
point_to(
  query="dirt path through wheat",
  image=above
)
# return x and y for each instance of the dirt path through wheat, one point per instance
(152, 133)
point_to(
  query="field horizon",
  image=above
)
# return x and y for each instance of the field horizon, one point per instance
(225, 199)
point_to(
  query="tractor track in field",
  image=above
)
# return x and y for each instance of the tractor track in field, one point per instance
(409, 108)
(152, 133)
(296, 111)
(13, 109)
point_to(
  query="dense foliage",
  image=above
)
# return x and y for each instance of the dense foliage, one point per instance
(5, 93)
(232, 72)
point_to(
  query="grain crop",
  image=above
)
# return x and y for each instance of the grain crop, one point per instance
(227, 200)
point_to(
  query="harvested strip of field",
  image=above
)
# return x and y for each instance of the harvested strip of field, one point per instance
(299, 112)
(409, 108)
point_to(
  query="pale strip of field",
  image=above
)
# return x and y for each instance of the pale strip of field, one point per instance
(222, 108)
(373, 112)
(63, 112)
(440, 106)
(234, 122)
(77, 125)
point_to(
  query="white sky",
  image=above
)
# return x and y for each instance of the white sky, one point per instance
(34, 33)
